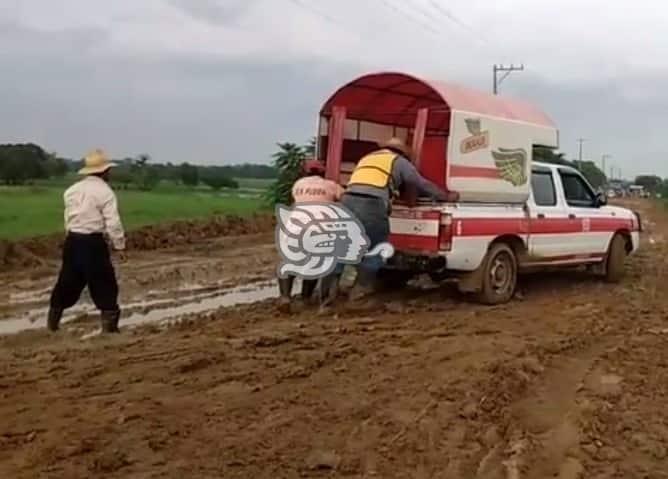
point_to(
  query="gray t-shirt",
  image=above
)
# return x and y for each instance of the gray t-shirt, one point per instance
(403, 174)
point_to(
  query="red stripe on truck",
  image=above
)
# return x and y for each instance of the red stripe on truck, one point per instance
(461, 171)
(468, 227)
(522, 226)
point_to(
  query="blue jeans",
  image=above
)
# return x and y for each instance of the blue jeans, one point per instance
(373, 214)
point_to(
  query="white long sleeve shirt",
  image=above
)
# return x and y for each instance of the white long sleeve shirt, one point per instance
(91, 207)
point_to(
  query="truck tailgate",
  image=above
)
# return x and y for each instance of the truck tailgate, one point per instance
(415, 229)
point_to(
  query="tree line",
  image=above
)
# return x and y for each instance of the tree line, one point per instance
(595, 176)
(651, 183)
(140, 173)
(19, 164)
(24, 163)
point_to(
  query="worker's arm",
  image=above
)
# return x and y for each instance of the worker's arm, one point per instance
(339, 191)
(112, 220)
(406, 175)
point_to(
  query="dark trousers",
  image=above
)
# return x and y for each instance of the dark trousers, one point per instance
(373, 213)
(285, 287)
(86, 262)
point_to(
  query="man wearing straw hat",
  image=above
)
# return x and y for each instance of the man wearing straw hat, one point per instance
(90, 211)
(376, 180)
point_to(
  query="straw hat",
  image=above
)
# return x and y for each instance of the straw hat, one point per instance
(95, 162)
(398, 145)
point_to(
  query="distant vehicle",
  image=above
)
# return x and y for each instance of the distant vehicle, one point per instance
(611, 193)
(505, 212)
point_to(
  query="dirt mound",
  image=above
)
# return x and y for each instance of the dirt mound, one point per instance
(186, 232)
(36, 252)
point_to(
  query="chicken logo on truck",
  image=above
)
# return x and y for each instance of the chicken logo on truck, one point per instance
(512, 165)
(511, 162)
(479, 140)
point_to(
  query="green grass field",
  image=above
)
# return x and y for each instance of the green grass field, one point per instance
(27, 211)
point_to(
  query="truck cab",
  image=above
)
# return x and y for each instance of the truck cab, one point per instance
(570, 222)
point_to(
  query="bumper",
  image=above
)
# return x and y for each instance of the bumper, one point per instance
(418, 263)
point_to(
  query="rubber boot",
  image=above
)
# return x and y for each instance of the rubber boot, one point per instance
(285, 288)
(110, 321)
(53, 319)
(348, 278)
(308, 287)
(364, 286)
(329, 292)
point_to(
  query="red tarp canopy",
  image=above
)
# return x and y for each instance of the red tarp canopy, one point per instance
(394, 99)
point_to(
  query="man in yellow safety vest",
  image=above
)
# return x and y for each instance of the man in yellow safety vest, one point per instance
(377, 178)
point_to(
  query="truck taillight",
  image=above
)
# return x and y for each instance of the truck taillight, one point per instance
(445, 233)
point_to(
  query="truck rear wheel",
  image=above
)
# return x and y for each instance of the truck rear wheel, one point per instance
(499, 275)
(614, 261)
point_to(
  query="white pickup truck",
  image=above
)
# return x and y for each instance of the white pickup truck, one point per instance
(563, 223)
(505, 212)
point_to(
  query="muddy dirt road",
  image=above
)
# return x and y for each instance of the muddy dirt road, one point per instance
(569, 381)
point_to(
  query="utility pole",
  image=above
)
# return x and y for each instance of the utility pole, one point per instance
(603, 158)
(507, 71)
(580, 141)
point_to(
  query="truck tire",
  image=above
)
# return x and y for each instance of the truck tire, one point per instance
(499, 275)
(614, 261)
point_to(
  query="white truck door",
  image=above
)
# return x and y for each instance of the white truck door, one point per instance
(547, 217)
(584, 213)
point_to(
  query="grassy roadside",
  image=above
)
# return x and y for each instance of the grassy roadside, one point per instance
(37, 210)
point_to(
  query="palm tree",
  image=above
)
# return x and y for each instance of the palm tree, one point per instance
(288, 160)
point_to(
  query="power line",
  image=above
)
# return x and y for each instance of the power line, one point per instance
(405, 15)
(423, 12)
(303, 5)
(454, 19)
(410, 16)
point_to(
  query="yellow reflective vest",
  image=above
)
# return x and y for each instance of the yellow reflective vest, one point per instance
(374, 169)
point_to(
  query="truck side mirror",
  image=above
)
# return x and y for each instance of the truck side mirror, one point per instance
(601, 200)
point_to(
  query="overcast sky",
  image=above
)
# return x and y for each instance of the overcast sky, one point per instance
(221, 81)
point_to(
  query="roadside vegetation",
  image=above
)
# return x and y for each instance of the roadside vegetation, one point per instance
(32, 182)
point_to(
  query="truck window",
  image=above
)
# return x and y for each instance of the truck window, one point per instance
(542, 185)
(577, 191)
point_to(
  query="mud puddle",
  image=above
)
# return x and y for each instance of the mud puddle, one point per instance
(231, 297)
(25, 297)
(146, 312)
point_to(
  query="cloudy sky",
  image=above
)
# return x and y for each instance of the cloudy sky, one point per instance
(221, 81)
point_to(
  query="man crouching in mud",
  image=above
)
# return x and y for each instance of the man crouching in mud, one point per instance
(90, 211)
(311, 188)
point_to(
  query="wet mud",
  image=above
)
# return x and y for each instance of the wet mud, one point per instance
(208, 379)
